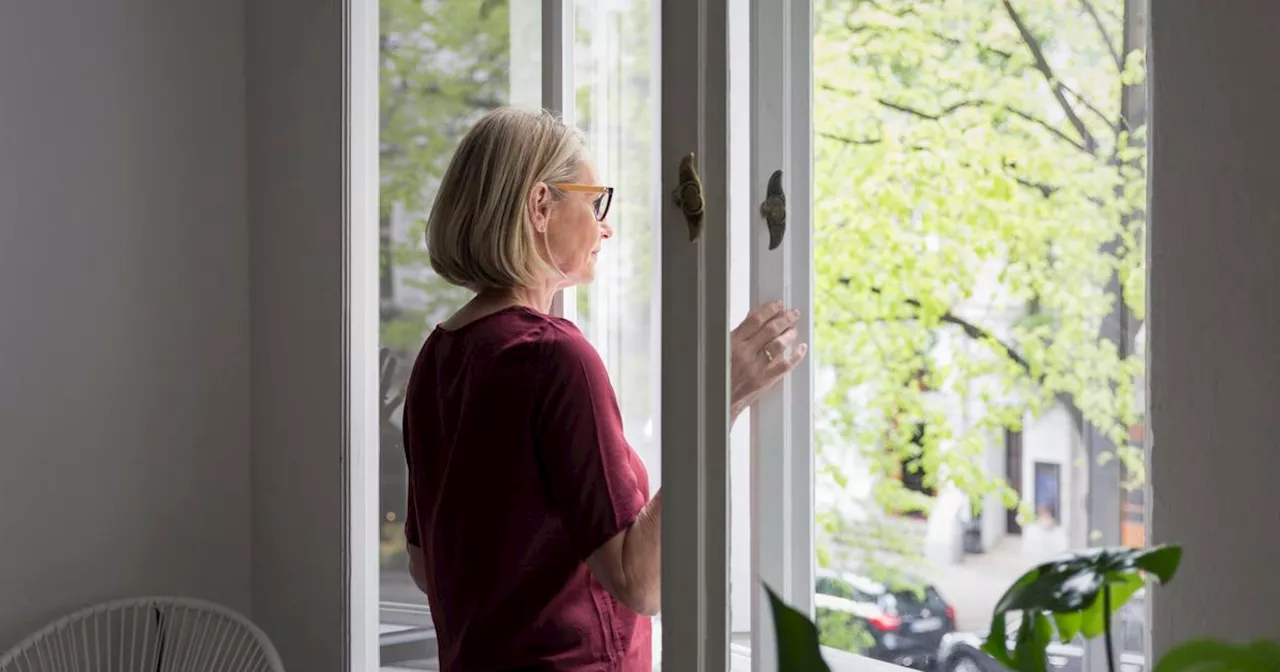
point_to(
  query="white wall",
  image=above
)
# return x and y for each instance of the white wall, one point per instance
(124, 305)
(1052, 439)
(1214, 340)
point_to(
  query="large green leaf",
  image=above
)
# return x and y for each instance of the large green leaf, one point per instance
(1094, 617)
(997, 642)
(797, 638)
(1033, 638)
(1074, 583)
(1070, 592)
(1207, 655)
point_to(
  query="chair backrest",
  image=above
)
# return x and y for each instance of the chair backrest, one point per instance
(148, 634)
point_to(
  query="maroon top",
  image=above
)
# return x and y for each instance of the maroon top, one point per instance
(518, 471)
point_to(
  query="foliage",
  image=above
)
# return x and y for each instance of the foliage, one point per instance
(840, 630)
(1209, 655)
(797, 638)
(1075, 596)
(1078, 594)
(979, 215)
(443, 65)
(967, 153)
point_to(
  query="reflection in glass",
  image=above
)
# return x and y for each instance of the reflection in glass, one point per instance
(616, 82)
(443, 65)
(616, 92)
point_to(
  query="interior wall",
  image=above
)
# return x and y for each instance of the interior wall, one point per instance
(1215, 320)
(124, 306)
(295, 110)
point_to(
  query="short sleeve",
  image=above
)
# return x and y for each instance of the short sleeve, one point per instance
(585, 460)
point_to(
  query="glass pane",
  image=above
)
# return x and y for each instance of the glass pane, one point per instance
(616, 92)
(443, 64)
(979, 247)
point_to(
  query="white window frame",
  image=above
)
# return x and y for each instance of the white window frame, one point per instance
(360, 249)
(694, 310)
(695, 326)
(558, 97)
(782, 552)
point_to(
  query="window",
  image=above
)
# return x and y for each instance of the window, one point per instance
(964, 189)
(978, 246)
(442, 65)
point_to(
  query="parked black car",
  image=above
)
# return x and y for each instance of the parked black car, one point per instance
(903, 626)
(962, 652)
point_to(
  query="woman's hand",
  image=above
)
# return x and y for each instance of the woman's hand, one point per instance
(761, 351)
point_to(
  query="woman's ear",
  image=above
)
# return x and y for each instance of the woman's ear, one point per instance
(539, 207)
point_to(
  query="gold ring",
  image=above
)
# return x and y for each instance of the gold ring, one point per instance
(767, 355)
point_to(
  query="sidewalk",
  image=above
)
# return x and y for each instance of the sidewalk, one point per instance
(974, 587)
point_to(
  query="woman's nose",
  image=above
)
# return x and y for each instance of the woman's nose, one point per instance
(606, 231)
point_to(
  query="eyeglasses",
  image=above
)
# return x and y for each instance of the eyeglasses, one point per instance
(600, 206)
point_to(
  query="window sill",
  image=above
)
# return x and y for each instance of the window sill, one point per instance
(837, 660)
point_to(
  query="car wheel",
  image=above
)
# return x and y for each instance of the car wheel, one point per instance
(963, 663)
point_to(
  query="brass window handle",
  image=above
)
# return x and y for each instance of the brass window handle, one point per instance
(688, 196)
(774, 209)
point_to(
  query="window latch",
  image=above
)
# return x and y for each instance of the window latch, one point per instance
(774, 209)
(688, 196)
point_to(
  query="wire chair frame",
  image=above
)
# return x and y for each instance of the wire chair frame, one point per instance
(147, 634)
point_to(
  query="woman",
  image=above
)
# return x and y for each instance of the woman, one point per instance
(529, 525)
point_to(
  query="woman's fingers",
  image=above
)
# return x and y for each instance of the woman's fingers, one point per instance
(762, 375)
(764, 350)
(778, 346)
(777, 325)
(782, 364)
(756, 319)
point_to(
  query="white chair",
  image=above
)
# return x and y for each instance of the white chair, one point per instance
(149, 634)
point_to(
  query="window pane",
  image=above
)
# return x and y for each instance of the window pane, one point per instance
(617, 110)
(979, 247)
(616, 92)
(444, 63)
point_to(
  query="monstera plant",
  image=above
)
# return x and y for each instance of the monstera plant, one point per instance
(1076, 595)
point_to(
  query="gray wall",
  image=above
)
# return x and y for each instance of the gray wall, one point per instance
(297, 223)
(1215, 317)
(124, 305)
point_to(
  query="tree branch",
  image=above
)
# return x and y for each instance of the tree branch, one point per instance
(955, 107)
(1046, 190)
(982, 334)
(1116, 124)
(1042, 64)
(848, 140)
(1102, 30)
(942, 37)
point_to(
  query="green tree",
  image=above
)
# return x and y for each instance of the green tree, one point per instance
(443, 64)
(974, 150)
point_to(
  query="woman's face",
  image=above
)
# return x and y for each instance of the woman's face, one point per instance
(573, 236)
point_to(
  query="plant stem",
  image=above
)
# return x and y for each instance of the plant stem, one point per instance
(1106, 625)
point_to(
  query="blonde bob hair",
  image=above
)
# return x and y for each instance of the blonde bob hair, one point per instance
(478, 233)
